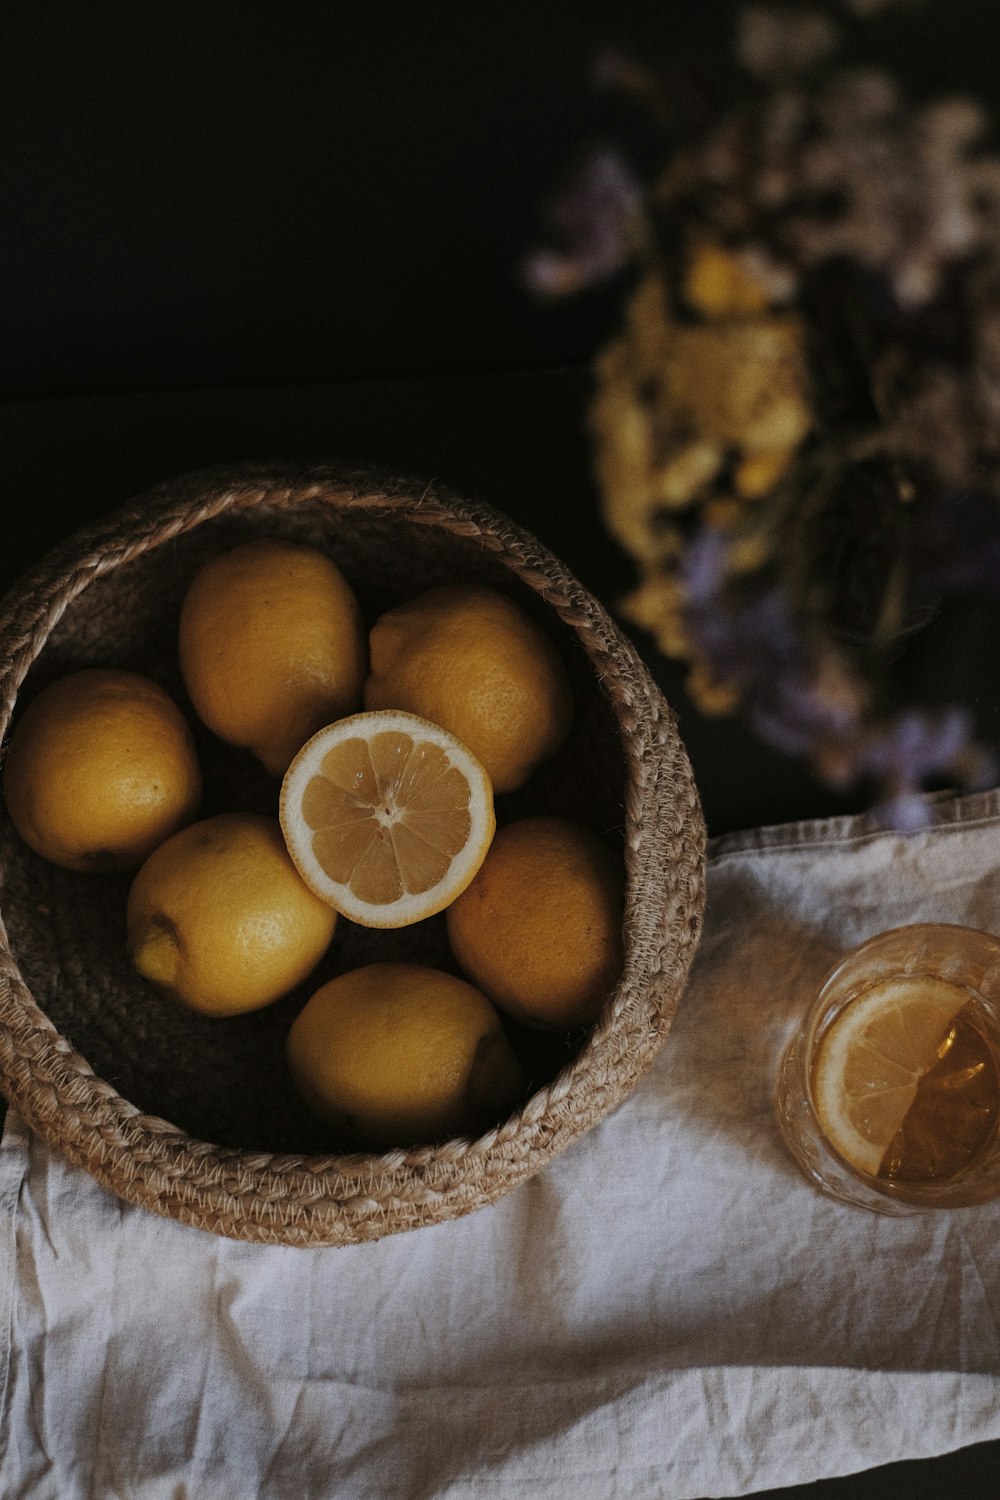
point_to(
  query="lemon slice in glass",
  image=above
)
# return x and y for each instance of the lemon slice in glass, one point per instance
(870, 1062)
(387, 817)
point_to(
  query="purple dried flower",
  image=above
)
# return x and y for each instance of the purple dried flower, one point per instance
(906, 812)
(756, 647)
(703, 570)
(750, 644)
(916, 746)
(914, 749)
(592, 224)
(800, 709)
(794, 714)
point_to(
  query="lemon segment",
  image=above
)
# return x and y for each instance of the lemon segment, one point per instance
(870, 1062)
(387, 817)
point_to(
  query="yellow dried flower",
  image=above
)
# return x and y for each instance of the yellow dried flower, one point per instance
(758, 473)
(623, 460)
(721, 284)
(711, 695)
(657, 606)
(648, 326)
(674, 400)
(749, 553)
(742, 384)
(677, 481)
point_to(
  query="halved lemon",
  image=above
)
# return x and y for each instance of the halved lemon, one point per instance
(387, 817)
(870, 1063)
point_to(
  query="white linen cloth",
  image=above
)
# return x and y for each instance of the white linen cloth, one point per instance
(668, 1309)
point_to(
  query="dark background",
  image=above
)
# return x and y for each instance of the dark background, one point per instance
(292, 231)
(227, 194)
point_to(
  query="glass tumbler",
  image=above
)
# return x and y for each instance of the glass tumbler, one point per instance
(946, 1153)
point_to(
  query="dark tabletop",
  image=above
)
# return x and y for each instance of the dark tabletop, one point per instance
(265, 236)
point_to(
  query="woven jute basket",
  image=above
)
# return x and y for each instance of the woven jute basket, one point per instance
(196, 1119)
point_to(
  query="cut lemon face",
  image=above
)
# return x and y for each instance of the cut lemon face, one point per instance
(387, 817)
(869, 1064)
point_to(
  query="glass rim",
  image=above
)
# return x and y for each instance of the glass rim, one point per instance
(885, 936)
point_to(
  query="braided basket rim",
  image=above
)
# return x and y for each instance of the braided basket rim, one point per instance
(343, 1199)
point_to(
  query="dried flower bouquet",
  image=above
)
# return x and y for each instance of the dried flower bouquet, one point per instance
(797, 430)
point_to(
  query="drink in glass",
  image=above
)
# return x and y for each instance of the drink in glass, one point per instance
(889, 1092)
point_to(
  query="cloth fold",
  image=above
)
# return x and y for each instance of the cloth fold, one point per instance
(667, 1309)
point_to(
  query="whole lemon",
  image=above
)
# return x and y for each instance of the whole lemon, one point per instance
(100, 769)
(471, 660)
(272, 647)
(219, 917)
(540, 926)
(394, 1054)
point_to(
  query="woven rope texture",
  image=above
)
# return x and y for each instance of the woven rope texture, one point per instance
(196, 1118)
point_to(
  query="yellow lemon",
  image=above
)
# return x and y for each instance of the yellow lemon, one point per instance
(473, 661)
(272, 647)
(396, 1054)
(540, 927)
(219, 918)
(100, 769)
(871, 1060)
(387, 817)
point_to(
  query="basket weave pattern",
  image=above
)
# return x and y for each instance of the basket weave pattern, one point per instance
(136, 1093)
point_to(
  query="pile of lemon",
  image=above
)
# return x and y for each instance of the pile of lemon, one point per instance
(390, 746)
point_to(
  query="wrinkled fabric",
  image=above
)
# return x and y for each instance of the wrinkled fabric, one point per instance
(668, 1309)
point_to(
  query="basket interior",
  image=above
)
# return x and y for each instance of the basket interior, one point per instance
(226, 1081)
